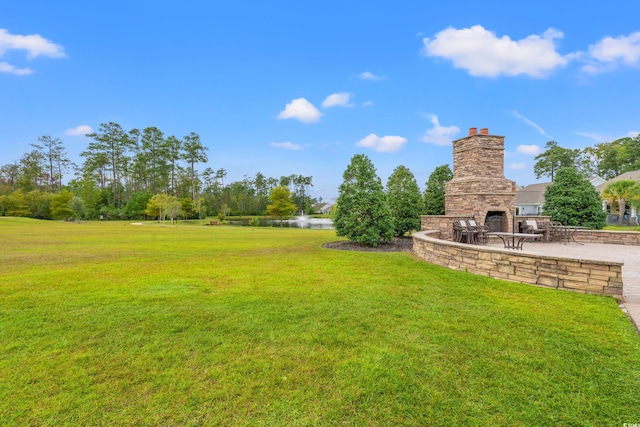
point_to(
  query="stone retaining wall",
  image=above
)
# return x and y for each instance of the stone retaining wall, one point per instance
(608, 236)
(594, 277)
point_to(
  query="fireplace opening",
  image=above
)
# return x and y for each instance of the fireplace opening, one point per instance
(495, 221)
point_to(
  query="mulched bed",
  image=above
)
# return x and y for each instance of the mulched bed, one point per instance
(398, 244)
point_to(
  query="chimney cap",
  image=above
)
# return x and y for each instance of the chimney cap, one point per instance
(473, 131)
(484, 131)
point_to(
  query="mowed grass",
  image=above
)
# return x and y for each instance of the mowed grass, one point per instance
(116, 324)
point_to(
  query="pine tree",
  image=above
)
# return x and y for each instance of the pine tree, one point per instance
(405, 201)
(434, 193)
(363, 215)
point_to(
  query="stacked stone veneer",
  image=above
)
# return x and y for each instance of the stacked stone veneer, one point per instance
(610, 237)
(586, 276)
(441, 223)
(478, 185)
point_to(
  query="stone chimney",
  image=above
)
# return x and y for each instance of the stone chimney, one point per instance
(478, 188)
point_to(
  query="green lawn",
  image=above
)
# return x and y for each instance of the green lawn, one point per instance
(117, 324)
(622, 227)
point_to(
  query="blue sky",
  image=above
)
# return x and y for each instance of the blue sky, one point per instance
(293, 87)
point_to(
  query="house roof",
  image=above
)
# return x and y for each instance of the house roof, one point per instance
(532, 194)
(596, 180)
(322, 206)
(635, 175)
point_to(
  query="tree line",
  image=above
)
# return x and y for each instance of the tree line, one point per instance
(122, 170)
(566, 202)
(368, 213)
(606, 159)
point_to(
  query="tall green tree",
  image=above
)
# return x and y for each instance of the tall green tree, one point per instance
(187, 207)
(194, 153)
(174, 153)
(112, 143)
(624, 191)
(155, 154)
(61, 205)
(139, 161)
(14, 204)
(604, 159)
(434, 193)
(9, 176)
(281, 203)
(39, 203)
(78, 208)
(572, 200)
(137, 204)
(32, 172)
(160, 205)
(301, 195)
(553, 158)
(363, 214)
(405, 201)
(630, 156)
(55, 159)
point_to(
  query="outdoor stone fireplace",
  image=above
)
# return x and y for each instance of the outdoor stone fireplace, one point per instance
(495, 221)
(478, 189)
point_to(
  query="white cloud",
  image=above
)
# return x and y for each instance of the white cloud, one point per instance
(302, 110)
(440, 135)
(8, 68)
(382, 144)
(602, 138)
(611, 52)
(338, 100)
(286, 145)
(596, 137)
(34, 44)
(530, 123)
(530, 150)
(367, 103)
(517, 166)
(79, 130)
(483, 54)
(370, 76)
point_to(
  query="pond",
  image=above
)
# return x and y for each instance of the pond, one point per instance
(296, 222)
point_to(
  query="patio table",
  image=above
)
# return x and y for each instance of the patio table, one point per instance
(567, 233)
(513, 240)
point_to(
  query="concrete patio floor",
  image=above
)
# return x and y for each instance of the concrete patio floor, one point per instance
(629, 255)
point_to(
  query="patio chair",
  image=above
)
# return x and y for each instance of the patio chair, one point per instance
(459, 230)
(463, 232)
(531, 226)
(480, 231)
(555, 234)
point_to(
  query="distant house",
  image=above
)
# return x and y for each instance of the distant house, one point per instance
(323, 208)
(635, 175)
(613, 208)
(530, 199)
(596, 181)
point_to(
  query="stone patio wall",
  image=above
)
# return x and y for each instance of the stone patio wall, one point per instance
(593, 277)
(608, 236)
